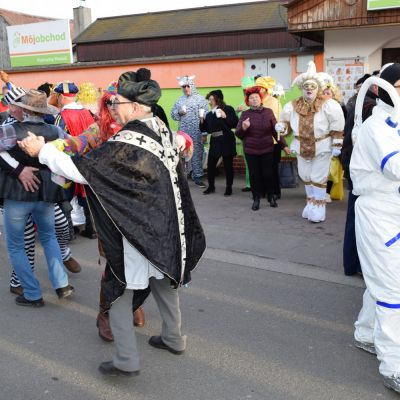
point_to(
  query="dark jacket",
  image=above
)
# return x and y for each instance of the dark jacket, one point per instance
(10, 186)
(130, 193)
(225, 145)
(347, 149)
(259, 137)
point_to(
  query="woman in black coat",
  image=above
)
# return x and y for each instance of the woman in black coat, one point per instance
(219, 122)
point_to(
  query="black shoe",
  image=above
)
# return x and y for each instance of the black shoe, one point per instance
(65, 291)
(200, 184)
(108, 368)
(272, 201)
(228, 191)
(209, 190)
(89, 234)
(157, 342)
(256, 205)
(22, 301)
(246, 189)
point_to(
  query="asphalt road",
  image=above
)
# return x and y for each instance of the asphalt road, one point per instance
(269, 315)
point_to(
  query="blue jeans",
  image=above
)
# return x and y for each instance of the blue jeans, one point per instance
(16, 214)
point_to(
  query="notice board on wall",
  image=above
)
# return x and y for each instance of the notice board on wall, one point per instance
(345, 73)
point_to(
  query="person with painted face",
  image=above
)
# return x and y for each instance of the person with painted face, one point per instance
(317, 126)
(186, 111)
(375, 173)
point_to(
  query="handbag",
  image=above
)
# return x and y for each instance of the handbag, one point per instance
(288, 174)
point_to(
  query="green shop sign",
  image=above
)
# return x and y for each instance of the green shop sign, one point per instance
(382, 4)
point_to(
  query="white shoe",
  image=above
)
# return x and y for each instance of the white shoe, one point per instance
(305, 212)
(328, 198)
(368, 347)
(392, 382)
(317, 213)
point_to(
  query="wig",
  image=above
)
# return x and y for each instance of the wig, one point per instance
(252, 90)
(107, 124)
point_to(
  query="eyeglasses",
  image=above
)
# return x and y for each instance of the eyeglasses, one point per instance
(109, 103)
(185, 86)
(115, 102)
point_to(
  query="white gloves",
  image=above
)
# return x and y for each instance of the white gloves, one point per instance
(280, 127)
(336, 152)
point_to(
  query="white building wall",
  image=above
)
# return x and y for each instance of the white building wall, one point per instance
(366, 43)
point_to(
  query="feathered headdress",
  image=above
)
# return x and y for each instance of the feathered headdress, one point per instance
(310, 74)
(185, 80)
(266, 82)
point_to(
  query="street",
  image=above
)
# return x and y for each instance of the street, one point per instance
(269, 316)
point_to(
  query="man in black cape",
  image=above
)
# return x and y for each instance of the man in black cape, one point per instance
(144, 216)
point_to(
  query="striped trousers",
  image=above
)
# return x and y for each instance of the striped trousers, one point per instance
(62, 234)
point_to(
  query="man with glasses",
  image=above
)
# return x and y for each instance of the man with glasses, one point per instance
(186, 111)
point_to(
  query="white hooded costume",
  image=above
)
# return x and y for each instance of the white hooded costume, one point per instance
(375, 172)
(317, 127)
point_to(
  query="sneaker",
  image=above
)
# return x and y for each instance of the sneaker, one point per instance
(392, 382)
(200, 184)
(22, 301)
(65, 291)
(368, 347)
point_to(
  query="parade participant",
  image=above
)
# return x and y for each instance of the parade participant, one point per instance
(219, 123)
(88, 140)
(351, 262)
(317, 127)
(29, 180)
(375, 172)
(186, 110)
(267, 84)
(74, 119)
(256, 127)
(144, 214)
(19, 204)
(247, 82)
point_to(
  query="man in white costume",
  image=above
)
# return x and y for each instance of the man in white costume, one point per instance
(375, 172)
(317, 127)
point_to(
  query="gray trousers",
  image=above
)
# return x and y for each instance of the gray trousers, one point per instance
(126, 356)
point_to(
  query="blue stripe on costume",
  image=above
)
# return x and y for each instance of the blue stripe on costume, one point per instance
(387, 305)
(392, 240)
(386, 158)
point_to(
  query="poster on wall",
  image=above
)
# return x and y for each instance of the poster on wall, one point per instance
(345, 73)
(382, 4)
(42, 43)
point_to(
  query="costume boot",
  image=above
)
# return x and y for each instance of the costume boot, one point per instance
(310, 200)
(138, 317)
(103, 320)
(318, 210)
(103, 323)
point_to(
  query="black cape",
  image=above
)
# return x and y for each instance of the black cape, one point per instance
(130, 194)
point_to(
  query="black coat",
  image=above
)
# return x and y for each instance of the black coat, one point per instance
(347, 149)
(225, 145)
(10, 186)
(130, 193)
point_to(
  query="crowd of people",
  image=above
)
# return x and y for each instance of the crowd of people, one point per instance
(109, 160)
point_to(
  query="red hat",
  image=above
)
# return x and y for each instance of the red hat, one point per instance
(252, 90)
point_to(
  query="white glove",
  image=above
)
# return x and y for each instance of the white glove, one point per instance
(280, 127)
(336, 152)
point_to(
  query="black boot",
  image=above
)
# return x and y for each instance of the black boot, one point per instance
(209, 190)
(272, 200)
(228, 191)
(256, 204)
